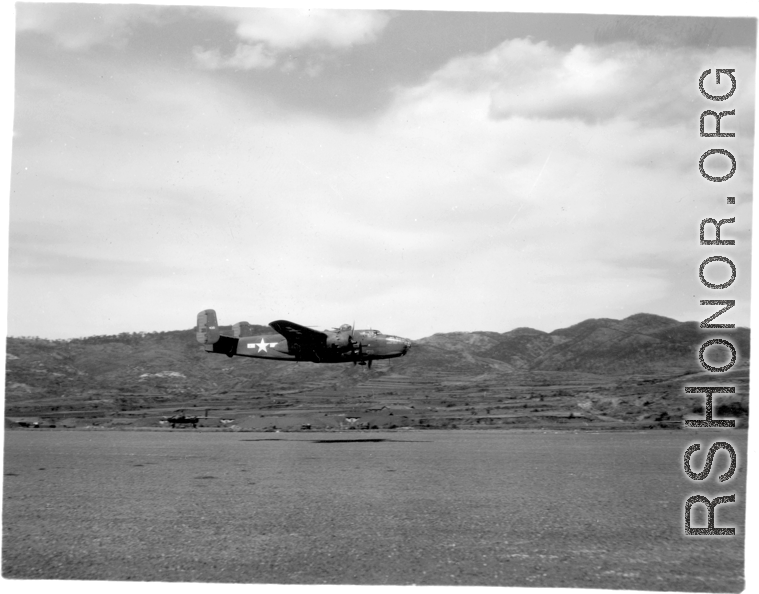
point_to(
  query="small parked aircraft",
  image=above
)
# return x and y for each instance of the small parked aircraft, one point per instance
(181, 419)
(293, 342)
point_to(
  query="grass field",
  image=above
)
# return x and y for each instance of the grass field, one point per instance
(506, 508)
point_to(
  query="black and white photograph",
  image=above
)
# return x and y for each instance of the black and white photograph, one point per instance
(308, 294)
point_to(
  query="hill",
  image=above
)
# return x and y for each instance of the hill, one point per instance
(600, 372)
(642, 343)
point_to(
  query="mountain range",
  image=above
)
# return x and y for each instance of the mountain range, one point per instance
(642, 343)
(592, 364)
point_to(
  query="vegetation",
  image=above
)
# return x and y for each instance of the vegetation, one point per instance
(601, 373)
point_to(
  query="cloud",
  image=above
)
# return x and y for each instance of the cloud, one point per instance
(666, 32)
(54, 264)
(79, 27)
(590, 83)
(246, 57)
(268, 33)
(438, 214)
(287, 29)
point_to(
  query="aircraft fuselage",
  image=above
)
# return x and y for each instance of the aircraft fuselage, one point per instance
(365, 345)
(293, 342)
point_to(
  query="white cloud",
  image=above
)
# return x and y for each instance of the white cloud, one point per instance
(652, 85)
(79, 27)
(287, 29)
(268, 33)
(246, 57)
(433, 216)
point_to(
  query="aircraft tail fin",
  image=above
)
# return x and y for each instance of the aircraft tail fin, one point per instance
(242, 329)
(208, 327)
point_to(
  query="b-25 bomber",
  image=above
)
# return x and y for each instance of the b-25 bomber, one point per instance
(293, 342)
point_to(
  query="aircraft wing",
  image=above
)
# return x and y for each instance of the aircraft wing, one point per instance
(297, 334)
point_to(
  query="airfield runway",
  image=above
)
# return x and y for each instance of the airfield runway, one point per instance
(507, 508)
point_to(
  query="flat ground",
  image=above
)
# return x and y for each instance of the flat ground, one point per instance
(506, 508)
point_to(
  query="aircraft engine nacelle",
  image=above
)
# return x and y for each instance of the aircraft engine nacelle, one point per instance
(340, 339)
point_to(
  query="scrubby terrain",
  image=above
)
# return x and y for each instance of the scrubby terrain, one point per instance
(600, 373)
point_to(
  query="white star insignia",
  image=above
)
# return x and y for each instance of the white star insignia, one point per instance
(262, 346)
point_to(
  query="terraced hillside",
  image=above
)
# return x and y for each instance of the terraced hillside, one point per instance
(599, 373)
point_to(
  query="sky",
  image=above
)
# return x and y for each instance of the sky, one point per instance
(415, 172)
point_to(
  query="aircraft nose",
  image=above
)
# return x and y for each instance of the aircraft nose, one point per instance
(406, 345)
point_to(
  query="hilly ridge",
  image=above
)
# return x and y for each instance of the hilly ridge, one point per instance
(628, 371)
(642, 343)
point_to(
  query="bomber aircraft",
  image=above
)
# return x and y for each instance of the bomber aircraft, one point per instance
(293, 342)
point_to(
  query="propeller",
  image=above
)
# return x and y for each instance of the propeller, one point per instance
(356, 355)
(352, 344)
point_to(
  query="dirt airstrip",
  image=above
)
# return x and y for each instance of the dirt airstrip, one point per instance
(505, 508)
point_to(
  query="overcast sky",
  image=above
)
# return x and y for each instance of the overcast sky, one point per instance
(416, 172)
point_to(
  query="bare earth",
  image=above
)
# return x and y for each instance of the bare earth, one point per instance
(506, 508)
